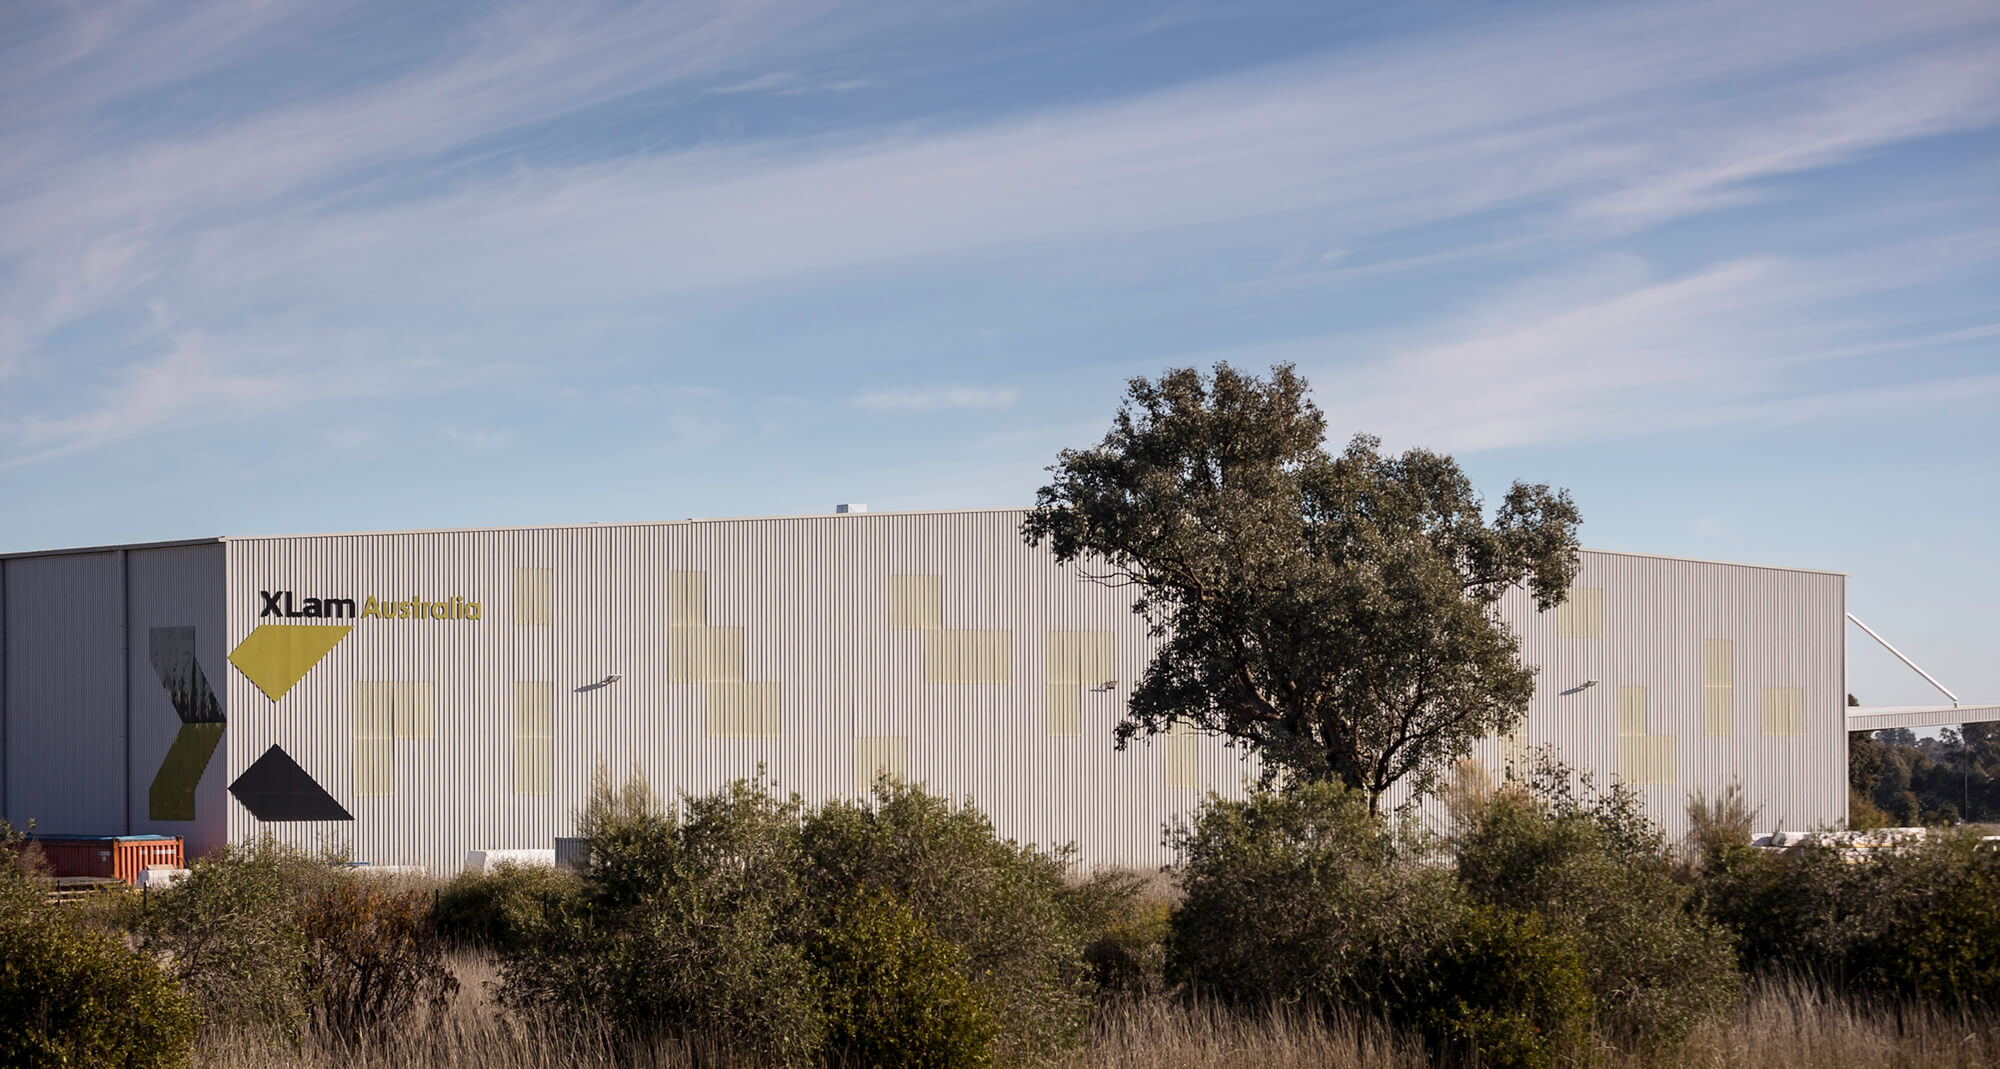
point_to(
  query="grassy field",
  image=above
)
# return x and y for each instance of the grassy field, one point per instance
(1781, 1026)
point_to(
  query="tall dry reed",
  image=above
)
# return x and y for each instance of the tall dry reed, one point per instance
(1782, 1025)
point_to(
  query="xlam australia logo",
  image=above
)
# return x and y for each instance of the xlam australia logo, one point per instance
(284, 603)
(276, 656)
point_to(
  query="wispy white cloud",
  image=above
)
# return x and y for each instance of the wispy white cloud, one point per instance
(197, 381)
(1612, 351)
(789, 83)
(525, 65)
(1350, 146)
(927, 400)
(1651, 113)
(1952, 89)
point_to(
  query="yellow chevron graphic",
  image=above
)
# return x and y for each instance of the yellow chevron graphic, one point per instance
(172, 794)
(275, 656)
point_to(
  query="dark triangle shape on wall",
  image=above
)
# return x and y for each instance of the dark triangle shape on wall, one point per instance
(172, 654)
(276, 789)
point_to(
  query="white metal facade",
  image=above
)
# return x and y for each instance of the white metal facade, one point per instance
(816, 649)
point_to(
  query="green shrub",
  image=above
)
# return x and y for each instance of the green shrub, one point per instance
(1004, 906)
(74, 996)
(1504, 989)
(21, 868)
(1124, 929)
(1720, 824)
(896, 993)
(1946, 951)
(693, 928)
(504, 907)
(273, 941)
(373, 959)
(1914, 922)
(1302, 896)
(1658, 967)
(230, 934)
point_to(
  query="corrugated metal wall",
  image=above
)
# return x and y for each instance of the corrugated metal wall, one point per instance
(87, 719)
(169, 588)
(825, 613)
(809, 599)
(65, 685)
(1661, 616)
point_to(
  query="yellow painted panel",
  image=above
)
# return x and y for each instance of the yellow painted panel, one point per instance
(1097, 666)
(1718, 711)
(406, 705)
(723, 662)
(1065, 718)
(725, 710)
(534, 597)
(172, 793)
(374, 768)
(941, 656)
(875, 757)
(687, 654)
(916, 602)
(374, 739)
(1661, 763)
(1183, 758)
(1080, 657)
(1718, 662)
(373, 699)
(1632, 754)
(534, 738)
(687, 599)
(1647, 759)
(1065, 657)
(996, 656)
(1581, 615)
(1631, 711)
(744, 710)
(1718, 687)
(969, 656)
(1784, 711)
(277, 656)
(763, 709)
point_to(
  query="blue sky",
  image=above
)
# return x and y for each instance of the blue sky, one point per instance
(1730, 272)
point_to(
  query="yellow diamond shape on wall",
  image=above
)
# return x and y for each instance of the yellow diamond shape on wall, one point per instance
(275, 656)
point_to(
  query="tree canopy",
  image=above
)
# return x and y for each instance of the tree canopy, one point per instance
(1336, 614)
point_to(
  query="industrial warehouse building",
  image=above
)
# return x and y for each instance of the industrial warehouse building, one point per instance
(413, 696)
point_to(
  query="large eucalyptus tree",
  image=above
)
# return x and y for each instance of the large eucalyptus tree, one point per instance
(1335, 614)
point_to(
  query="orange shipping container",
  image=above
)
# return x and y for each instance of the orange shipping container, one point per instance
(122, 856)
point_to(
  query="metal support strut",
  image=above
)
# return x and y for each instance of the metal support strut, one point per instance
(1905, 660)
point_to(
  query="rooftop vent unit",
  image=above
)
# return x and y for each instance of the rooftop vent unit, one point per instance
(850, 508)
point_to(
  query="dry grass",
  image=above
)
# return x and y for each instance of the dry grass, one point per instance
(1172, 1036)
(1782, 1026)
(1796, 1026)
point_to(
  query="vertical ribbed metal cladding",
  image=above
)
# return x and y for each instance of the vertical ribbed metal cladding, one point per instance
(65, 711)
(174, 587)
(6, 811)
(125, 686)
(810, 598)
(1785, 626)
